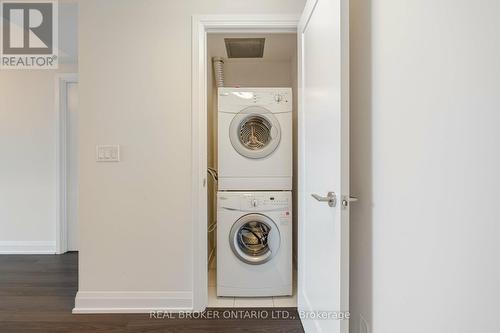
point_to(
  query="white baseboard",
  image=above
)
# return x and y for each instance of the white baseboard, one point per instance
(132, 302)
(27, 247)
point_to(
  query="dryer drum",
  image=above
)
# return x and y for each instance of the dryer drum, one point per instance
(255, 132)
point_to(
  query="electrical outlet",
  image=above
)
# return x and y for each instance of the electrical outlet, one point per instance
(363, 325)
(108, 153)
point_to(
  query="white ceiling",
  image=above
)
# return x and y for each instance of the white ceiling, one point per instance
(277, 47)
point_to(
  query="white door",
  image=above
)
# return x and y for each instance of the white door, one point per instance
(72, 165)
(323, 250)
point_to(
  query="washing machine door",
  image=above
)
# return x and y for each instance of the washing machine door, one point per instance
(255, 132)
(254, 239)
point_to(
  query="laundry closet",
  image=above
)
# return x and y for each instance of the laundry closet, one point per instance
(252, 169)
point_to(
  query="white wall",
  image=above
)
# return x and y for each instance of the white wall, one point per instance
(27, 170)
(28, 206)
(425, 114)
(254, 73)
(135, 90)
(28, 147)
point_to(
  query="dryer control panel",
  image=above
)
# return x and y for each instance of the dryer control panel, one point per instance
(276, 99)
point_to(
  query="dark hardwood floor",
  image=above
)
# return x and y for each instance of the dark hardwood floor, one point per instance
(37, 295)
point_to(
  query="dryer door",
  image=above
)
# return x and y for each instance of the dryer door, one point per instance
(255, 132)
(254, 239)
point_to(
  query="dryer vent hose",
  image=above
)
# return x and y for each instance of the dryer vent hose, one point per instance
(218, 63)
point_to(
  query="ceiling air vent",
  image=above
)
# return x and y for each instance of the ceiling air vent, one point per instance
(245, 47)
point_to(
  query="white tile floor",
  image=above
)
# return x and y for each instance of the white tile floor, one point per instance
(247, 302)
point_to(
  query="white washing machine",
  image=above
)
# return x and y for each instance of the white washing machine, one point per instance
(255, 139)
(254, 244)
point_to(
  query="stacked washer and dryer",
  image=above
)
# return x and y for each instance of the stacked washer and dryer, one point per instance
(254, 200)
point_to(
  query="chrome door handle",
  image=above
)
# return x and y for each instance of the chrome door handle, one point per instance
(331, 198)
(347, 199)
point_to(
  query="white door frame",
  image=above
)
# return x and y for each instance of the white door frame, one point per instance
(61, 105)
(201, 25)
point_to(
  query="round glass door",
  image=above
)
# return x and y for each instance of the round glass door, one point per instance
(254, 239)
(255, 132)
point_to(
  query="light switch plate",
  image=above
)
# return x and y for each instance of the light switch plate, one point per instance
(108, 153)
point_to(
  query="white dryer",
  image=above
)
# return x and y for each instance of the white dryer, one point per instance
(254, 244)
(255, 138)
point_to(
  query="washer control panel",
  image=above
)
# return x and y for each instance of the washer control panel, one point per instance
(255, 201)
(265, 202)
